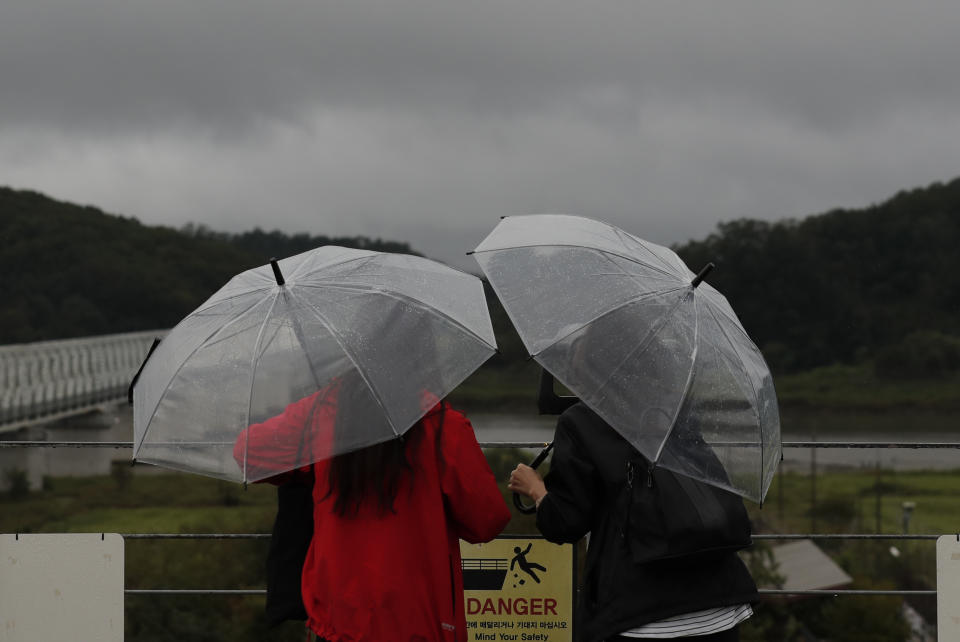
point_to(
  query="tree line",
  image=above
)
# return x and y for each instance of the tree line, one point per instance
(879, 284)
(72, 271)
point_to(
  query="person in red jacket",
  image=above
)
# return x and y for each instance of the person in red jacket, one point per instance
(384, 560)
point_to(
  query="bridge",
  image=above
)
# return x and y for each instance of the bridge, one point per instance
(46, 381)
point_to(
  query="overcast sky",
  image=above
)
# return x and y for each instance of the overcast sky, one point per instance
(425, 121)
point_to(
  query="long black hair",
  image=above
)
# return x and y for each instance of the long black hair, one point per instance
(378, 470)
(374, 471)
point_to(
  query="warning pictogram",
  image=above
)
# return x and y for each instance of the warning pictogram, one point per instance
(518, 589)
(525, 565)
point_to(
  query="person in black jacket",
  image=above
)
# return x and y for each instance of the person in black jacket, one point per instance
(591, 488)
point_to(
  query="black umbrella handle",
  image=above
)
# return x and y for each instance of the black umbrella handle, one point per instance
(517, 502)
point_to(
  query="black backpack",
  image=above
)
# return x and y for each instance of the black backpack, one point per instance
(667, 516)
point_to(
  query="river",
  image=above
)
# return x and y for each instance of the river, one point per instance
(798, 425)
(901, 426)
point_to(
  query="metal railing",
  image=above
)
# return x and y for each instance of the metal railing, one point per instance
(527, 444)
(759, 536)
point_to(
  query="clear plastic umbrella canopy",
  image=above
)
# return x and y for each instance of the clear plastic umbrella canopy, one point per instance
(632, 331)
(384, 336)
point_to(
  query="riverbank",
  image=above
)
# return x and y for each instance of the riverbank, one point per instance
(838, 387)
(857, 388)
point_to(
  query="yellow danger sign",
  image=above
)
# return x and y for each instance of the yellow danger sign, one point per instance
(518, 588)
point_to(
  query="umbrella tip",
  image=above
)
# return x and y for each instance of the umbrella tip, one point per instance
(276, 271)
(470, 253)
(702, 274)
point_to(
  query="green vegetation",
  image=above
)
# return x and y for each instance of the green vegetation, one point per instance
(176, 503)
(859, 387)
(859, 501)
(168, 503)
(847, 502)
(868, 501)
(74, 271)
(841, 286)
(851, 308)
(18, 485)
(492, 389)
(836, 387)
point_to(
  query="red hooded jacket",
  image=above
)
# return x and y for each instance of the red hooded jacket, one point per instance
(392, 576)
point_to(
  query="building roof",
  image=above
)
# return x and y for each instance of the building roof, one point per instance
(804, 566)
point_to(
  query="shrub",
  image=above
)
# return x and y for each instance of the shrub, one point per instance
(122, 472)
(834, 511)
(229, 493)
(18, 484)
(924, 354)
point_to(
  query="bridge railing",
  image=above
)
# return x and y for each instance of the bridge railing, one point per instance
(44, 380)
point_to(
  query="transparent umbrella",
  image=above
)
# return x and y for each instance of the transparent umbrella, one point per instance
(643, 341)
(388, 335)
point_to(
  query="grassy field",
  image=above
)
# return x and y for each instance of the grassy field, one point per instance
(178, 503)
(849, 502)
(505, 389)
(863, 502)
(832, 387)
(172, 503)
(869, 502)
(858, 388)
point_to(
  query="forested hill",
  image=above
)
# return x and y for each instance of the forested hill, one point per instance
(880, 284)
(69, 271)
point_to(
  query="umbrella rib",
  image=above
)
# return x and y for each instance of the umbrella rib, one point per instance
(298, 331)
(300, 271)
(726, 335)
(406, 299)
(619, 306)
(686, 387)
(269, 282)
(636, 278)
(650, 336)
(632, 259)
(252, 290)
(363, 375)
(622, 235)
(644, 277)
(184, 361)
(254, 360)
(386, 256)
(710, 296)
(221, 339)
(756, 393)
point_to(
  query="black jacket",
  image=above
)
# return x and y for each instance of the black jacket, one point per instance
(585, 487)
(292, 532)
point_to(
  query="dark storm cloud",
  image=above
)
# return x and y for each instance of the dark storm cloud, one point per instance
(426, 120)
(114, 64)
